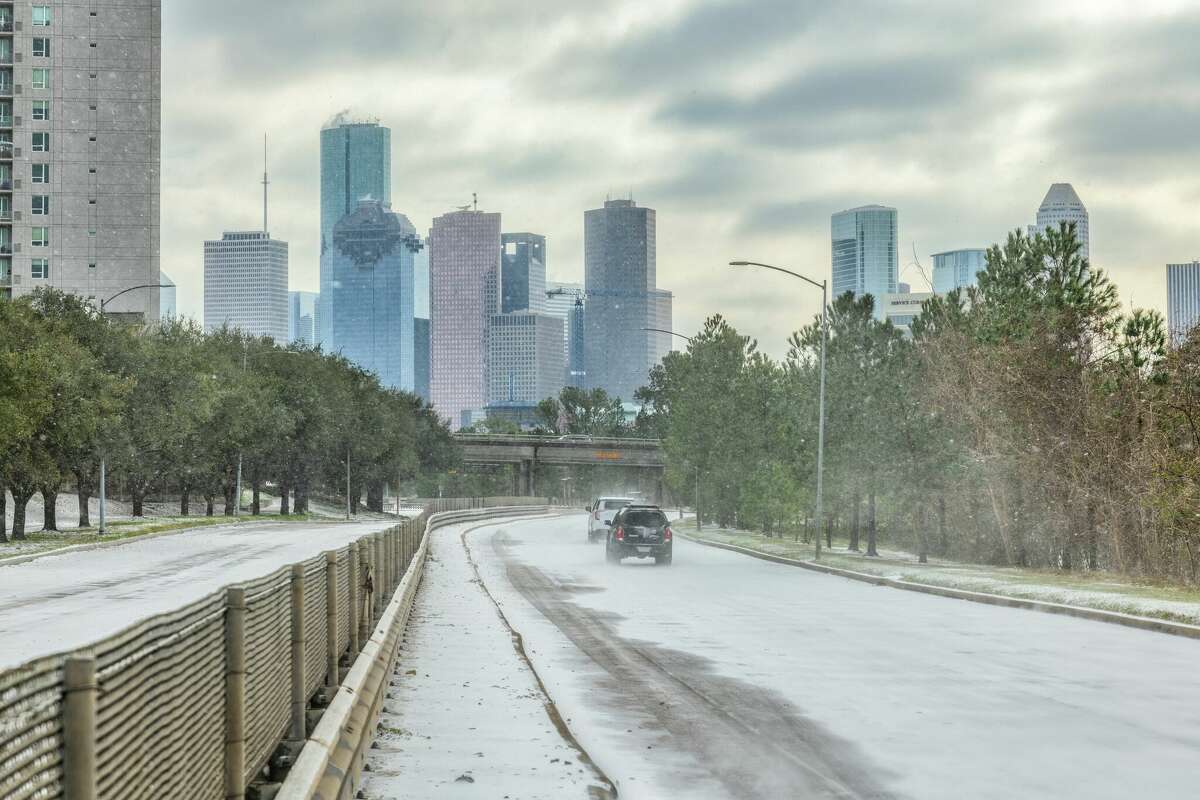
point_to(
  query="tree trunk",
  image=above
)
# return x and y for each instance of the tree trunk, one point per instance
(20, 500)
(871, 530)
(137, 496)
(208, 504)
(283, 499)
(856, 499)
(229, 490)
(49, 508)
(185, 501)
(829, 533)
(3, 513)
(1093, 546)
(85, 498)
(943, 545)
(922, 535)
(256, 499)
(300, 506)
(375, 497)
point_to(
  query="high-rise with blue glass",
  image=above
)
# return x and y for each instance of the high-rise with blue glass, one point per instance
(957, 269)
(865, 260)
(356, 164)
(371, 266)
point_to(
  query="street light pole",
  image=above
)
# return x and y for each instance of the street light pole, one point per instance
(103, 303)
(237, 500)
(347, 482)
(824, 287)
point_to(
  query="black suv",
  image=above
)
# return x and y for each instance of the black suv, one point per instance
(641, 531)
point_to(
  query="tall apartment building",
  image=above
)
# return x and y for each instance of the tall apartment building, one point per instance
(865, 258)
(522, 272)
(957, 269)
(464, 273)
(79, 150)
(566, 301)
(525, 359)
(1183, 300)
(619, 278)
(246, 284)
(356, 164)
(302, 318)
(372, 304)
(1060, 205)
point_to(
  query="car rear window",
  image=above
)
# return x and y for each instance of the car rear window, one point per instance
(609, 505)
(646, 519)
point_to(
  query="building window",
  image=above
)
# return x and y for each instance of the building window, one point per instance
(41, 142)
(40, 237)
(41, 16)
(41, 109)
(41, 173)
(39, 268)
(41, 205)
(41, 48)
(41, 78)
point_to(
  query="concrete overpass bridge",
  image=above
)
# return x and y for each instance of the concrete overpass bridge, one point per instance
(525, 452)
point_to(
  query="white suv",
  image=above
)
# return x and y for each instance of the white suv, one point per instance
(601, 514)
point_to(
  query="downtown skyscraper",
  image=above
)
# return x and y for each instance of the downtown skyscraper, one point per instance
(464, 275)
(246, 284)
(522, 272)
(1183, 300)
(619, 256)
(1062, 204)
(864, 252)
(372, 290)
(356, 164)
(80, 123)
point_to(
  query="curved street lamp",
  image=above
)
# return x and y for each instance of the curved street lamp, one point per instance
(103, 303)
(824, 287)
(672, 333)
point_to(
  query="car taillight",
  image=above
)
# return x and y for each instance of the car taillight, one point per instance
(666, 534)
(620, 534)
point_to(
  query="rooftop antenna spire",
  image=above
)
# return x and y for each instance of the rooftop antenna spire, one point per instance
(474, 201)
(265, 183)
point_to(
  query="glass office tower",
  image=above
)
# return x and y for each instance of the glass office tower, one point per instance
(356, 164)
(372, 277)
(522, 272)
(956, 269)
(865, 258)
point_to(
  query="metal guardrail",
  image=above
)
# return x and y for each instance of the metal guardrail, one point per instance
(525, 438)
(195, 702)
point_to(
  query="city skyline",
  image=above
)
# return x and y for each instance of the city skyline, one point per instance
(1030, 104)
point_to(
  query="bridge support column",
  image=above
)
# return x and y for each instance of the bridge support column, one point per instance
(525, 482)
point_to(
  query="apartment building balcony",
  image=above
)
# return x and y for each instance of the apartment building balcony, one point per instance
(6, 26)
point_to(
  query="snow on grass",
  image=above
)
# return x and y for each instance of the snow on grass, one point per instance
(1102, 591)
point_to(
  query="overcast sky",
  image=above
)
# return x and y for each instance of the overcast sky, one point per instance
(744, 124)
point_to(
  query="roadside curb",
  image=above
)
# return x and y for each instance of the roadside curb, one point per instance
(74, 548)
(1098, 615)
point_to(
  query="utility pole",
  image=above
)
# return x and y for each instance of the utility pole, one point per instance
(265, 183)
(347, 482)
(237, 499)
(103, 482)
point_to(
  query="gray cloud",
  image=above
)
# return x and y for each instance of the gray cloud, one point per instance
(745, 124)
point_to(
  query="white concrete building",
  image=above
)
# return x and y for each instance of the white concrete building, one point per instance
(246, 284)
(1183, 299)
(1062, 204)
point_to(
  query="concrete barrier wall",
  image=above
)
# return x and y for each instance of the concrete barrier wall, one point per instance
(203, 701)
(330, 765)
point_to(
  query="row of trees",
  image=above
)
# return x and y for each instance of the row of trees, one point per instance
(1026, 421)
(170, 408)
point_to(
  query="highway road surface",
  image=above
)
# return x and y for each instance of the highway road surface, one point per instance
(57, 603)
(724, 676)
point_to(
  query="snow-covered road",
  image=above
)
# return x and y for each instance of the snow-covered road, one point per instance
(61, 602)
(727, 676)
(467, 718)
